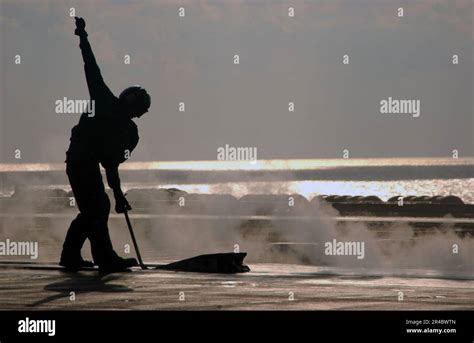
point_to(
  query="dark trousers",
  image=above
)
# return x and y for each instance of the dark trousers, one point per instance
(94, 207)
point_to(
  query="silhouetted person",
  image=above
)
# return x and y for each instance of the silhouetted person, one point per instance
(105, 137)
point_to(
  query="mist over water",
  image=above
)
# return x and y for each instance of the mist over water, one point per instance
(398, 249)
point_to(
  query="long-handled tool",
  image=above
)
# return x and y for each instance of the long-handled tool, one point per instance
(140, 261)
(213, 263)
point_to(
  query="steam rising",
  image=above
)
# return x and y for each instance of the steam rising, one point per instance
(167, 231)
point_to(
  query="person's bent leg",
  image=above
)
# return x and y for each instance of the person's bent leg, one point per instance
(76, 236)
(78, 230)
(102, 249)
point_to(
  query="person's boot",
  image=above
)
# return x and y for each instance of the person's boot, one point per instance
(74, 262)
(76, 236)
(102, 250)
(116, 264)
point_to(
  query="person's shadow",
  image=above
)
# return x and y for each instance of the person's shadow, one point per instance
(81, 283)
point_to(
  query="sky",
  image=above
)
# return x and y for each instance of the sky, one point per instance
(283, 59)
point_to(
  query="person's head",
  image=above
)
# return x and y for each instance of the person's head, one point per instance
(136, 101)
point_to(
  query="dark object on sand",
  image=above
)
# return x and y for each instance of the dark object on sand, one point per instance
(225, 263)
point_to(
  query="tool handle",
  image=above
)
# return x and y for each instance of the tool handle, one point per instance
(129, 224)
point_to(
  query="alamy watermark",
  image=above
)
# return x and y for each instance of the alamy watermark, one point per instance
(231, 153)
(28, 325)
(335, 248)
(394, 106)
(75, 106)
(12, 248)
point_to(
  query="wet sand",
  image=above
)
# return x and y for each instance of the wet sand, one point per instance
(266, 287)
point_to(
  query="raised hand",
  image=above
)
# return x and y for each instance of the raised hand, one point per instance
(80, 26)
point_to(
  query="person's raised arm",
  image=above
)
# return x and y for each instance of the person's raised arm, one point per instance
(97, 88)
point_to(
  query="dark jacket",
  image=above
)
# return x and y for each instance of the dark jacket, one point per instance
(107, 136)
